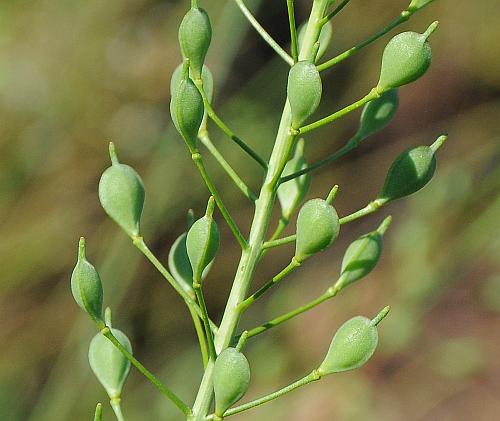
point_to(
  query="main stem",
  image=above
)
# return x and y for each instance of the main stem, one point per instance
(263, 209)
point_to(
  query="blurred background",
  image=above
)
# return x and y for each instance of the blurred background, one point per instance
(75, 74)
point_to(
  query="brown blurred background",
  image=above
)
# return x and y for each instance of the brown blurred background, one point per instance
(74, 74)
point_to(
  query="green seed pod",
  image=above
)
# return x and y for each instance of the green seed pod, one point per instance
(231, 379)
(86, 285)
(202, 242)
(108, 363)
(377, 114)
(411, 171)
(187, 110)
(121, 193)
(325, 37)
(317, 228)
(195, 34)
(406, 58)
(291, 193)
(418, 4)
(304, 91)
(362, 256)
(206, 77)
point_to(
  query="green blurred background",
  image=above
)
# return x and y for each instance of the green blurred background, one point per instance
(75, 74)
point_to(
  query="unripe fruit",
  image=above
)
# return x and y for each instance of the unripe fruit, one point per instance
(86, 285)
(291, 193)
(411, 171)
(178, 263)
(406, 57)
(317, 228)
(195, 34)
(202, 242)
(206, 77)
(187, 111)
(304, 91)
(377, 114)
(231, 379)
(108, 363)
(121, 193)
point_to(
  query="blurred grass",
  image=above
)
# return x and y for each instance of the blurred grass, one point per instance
(75, 74)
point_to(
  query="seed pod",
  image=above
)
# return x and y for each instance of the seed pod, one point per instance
(411, 171)
(317, 228)
(206, 77)
(353, 344)
(86, 285)
(406, 57)
(291, 193)
(195, 34)
(325, 37)
(418, 4)
(121, 193)
(202, 242)
(362, 256)
(304, 91)
(231, 379)
(377, 114)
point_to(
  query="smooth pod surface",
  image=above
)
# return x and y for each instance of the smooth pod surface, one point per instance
(187, 110)
(121, 193)
(202, 243)
(108, 363)
(406, 58)
(377, 114)
(292, 193)
(317, 228)
(86, 285)
(231, 379)
(304, 91)
(411, 171)
(195, 35)
(351, 347)
(206, 76)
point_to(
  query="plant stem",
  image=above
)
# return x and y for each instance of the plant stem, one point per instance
(311, 377)
(225, 129)
(403, 17)
(198, 160)
(117, 409)
(263, 210)
(205, 319)
(144, 371)
(200, 333)
(370, 208)
(293, 30)
(204, 138)
(263, 33)
(279, 242)
(335, 12)
(282, 224)
(294, 264)
(373, 94)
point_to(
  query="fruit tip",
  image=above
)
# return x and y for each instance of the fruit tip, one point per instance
(381, 315)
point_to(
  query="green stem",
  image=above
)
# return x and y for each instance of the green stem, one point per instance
(204, 138)
(294, 264)
(225, 129)
(279, 242)
(263, 33)
(205, 319)
(200, 333)
(117, 409)
(146, 373)
(293, 30)
(313, 376)
(373, 94)
(98, 412)
(198, 160)
(263, 211)
(335, 12)
(403, 17)
(282, 224)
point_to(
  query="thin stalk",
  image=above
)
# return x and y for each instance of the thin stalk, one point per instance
(146, 373)
(279, 242)
(403, 17)
(198, 160)
(263, 211)
(373, 94)
(294, 264)
(293, 30)
(282, 224)
(205, 319)
(335, 12)
(311, 377)
(200, 333)
(263, 33)
(225, 129)
(117, 408)
(204, 138)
